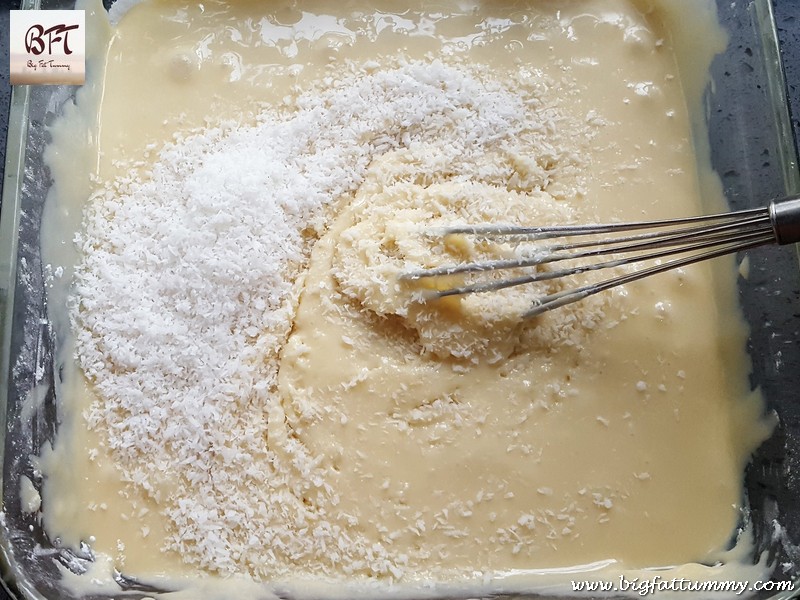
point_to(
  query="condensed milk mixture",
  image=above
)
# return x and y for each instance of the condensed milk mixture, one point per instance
(251, 389)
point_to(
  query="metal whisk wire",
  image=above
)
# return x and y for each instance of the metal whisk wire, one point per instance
(688, 240)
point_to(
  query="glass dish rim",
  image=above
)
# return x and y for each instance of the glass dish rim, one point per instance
(762, 11)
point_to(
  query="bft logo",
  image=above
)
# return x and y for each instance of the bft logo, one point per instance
(38, 39)
(48, 47)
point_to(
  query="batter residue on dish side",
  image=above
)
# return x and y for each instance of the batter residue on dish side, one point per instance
(260, 395)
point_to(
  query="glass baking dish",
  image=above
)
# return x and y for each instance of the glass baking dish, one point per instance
(752, 150)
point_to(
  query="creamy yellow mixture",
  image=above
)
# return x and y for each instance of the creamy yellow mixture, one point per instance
(388, 439)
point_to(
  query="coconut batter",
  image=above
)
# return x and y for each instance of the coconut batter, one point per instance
(369, 436)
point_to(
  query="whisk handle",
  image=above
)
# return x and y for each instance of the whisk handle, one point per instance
(785, 218)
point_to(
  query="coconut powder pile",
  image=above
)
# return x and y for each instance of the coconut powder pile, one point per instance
(189, 281)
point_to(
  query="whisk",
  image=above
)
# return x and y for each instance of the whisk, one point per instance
(685, 240)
